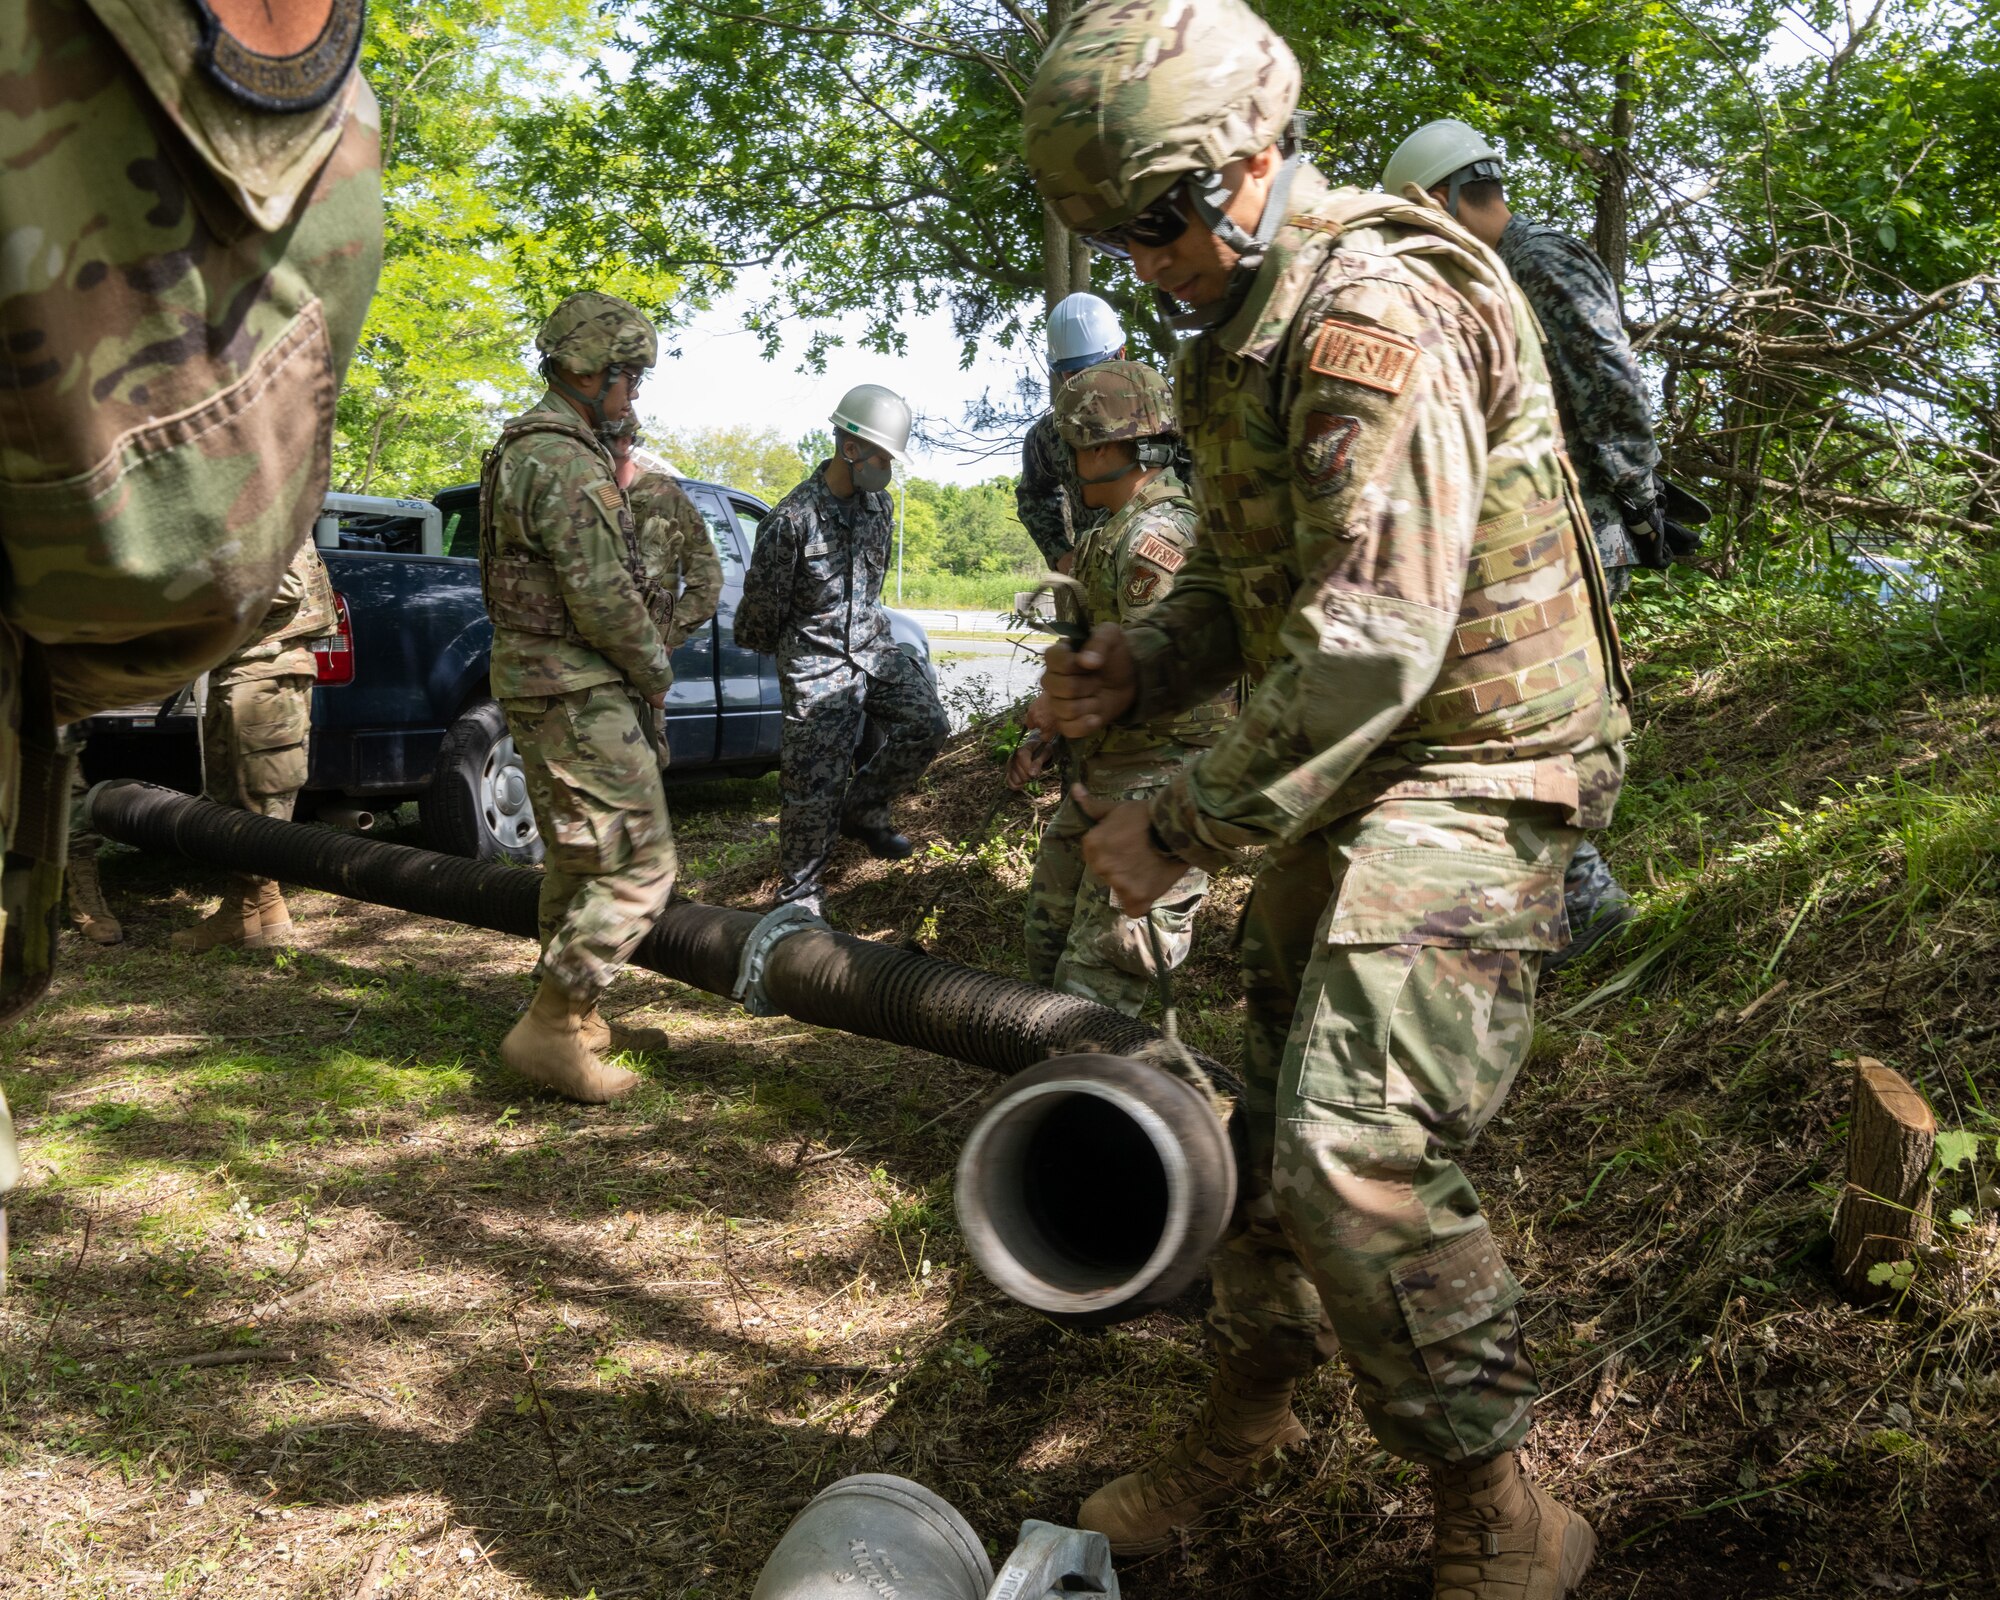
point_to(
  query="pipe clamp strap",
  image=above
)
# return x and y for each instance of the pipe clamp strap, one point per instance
(773, 928)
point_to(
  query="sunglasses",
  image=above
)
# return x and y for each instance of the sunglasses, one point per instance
(1158, 226)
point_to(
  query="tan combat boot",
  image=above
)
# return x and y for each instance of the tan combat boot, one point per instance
(231, 925)
(605, 1035)
(1500, 1537)
(86, 903)
(551, 1046)
(274, 917)
(1246, 1420)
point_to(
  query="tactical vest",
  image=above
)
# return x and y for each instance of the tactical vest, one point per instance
(316, 611)
(1124, 748)
(1511, 670)
(520, 588)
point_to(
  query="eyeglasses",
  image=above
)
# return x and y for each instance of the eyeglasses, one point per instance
(1158, 226)
(633, 376)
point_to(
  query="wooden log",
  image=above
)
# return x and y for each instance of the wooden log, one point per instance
(1886, 1210)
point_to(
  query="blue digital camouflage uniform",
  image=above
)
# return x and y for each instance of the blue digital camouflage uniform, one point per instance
(1049, 497)
(812, 597)
(1607, 419)
(1608, 428)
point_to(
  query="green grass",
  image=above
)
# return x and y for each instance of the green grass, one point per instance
(944, 591)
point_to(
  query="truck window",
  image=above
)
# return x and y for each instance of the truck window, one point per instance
(391, 535)
(719, 531)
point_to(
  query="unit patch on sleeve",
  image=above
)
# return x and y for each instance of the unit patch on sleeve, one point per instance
(1162, 554)
(1367, 356)
(1326, 451)
(1140, 586)
(609, 497)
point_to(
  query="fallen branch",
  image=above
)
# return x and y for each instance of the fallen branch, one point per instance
(226, 1358)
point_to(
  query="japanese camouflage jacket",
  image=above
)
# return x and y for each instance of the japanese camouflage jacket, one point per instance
(1391, 545)
(1607, 420)
(812, 596)
(1049, 497)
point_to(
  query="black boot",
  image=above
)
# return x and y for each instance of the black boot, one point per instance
(881, 840)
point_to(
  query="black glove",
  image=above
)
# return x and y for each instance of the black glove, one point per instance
(1646, 525)
(1681, 541)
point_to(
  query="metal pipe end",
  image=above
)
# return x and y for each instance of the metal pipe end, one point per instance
(1095, 1187)
(350, 819)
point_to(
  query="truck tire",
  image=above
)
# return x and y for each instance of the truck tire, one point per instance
(477, 804)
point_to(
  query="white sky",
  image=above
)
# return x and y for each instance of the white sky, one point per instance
(720, 379)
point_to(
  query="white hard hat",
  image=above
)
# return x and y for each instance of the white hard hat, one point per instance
(1083, 330)
(881, 416)
(1439, 150)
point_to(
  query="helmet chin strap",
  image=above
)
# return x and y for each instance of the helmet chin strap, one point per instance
(1210, 197)
(557, 378)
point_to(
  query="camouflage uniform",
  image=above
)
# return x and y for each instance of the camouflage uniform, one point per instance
(1606, 417)
(257, 723)
(812, 597)
(1608, 427)
(677, 554)
(576, 654)
(1049, 497)
(1396, 561)
(187, 272)
(1078, 941)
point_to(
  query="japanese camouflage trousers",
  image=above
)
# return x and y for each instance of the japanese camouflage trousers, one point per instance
(828, 703)
(1079, 941)
(1389, 967)
(594, 782)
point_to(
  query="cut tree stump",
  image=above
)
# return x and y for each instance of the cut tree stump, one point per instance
(1885, 1212)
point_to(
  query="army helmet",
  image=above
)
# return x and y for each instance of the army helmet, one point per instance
(1132, 98)
(1116, 400)
(591, 331)
(1444, 151)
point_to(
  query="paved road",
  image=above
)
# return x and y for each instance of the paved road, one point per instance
(957, 621)
(983, 675)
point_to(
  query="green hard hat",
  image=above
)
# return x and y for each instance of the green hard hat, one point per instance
(1131, 97)
(590, 331)
(1436, 151)
(1115, 400)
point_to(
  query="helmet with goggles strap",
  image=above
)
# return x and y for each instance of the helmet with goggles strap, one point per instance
(1137, 108)
(1117, 400)
(1446, 151)
(592, 332)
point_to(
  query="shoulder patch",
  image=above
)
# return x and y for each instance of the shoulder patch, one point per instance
(1151, 547)
(1367, 356)
(1140, 586)
(1326, 451)
(609, 497)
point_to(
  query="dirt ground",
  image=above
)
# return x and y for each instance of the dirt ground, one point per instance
(312, 1298)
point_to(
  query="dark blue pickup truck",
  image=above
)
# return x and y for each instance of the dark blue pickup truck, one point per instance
(403, 710)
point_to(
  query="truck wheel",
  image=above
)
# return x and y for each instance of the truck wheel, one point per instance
(477, 804)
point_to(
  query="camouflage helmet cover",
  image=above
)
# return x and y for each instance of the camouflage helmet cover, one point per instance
(590, 331)
(1134, 94)
(1115, 400)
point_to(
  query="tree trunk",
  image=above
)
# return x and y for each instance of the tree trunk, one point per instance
(1612, 231)
(1886, 1209)
(1065, 257)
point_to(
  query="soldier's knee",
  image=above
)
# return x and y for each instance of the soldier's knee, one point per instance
(1344, 1180)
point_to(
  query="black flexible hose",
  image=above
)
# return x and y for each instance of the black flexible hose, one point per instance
(819, 976)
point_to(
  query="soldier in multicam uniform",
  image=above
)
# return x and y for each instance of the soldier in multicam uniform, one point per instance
(1083, 331)
(192, 203)
(1390, 552)
(88, 909)
(676, 550)
(254, 733)
(813, 597)
(580, 668)
(1606, 416)
(1118, 418)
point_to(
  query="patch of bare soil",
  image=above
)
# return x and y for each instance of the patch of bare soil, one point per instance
(312, 1298)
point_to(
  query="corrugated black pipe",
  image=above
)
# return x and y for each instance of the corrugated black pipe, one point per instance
(1101, 1196)
(819, 976)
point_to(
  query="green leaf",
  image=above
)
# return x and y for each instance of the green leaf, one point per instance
(1898, 1275)
(1960, 1217)
(1955, 1147)
(1887, 235)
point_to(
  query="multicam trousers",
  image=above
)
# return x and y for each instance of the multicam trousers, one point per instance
(1389, 965)
(1078, 941)
(594, 781)
(253, 745)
